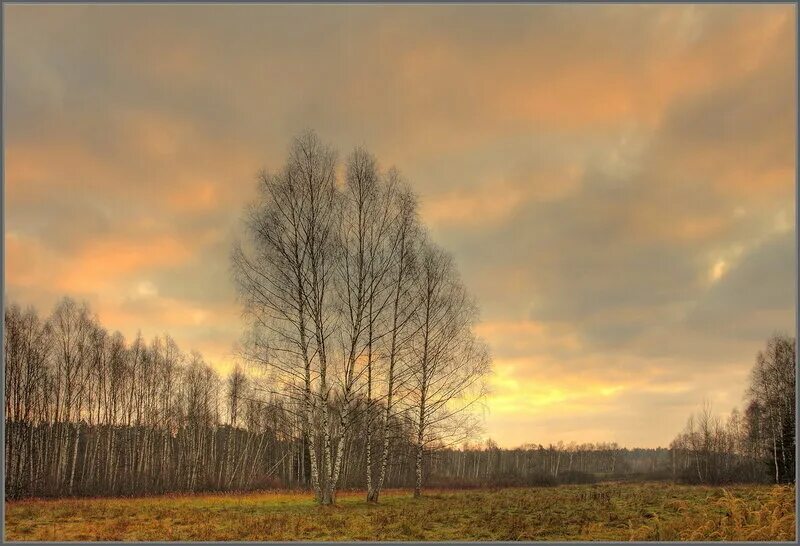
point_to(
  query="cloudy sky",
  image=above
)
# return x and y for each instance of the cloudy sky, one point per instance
(616, 183)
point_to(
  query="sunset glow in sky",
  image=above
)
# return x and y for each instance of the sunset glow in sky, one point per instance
(616, 183)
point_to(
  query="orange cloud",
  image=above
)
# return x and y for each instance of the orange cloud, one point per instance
(528, 336)
(34, 169)
(101, 263)
(200, 196)
(496, 198)
(28, 263)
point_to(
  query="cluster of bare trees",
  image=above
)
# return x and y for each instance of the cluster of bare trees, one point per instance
(771, 406)
(356, 314)
(710, 450)
(758, 445)
(88, 413)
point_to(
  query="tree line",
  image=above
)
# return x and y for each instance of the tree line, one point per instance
(755, 445)
(89, 413)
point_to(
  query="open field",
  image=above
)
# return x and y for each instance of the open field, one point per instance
(651, 511)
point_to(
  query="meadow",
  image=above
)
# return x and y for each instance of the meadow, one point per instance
(607, 511)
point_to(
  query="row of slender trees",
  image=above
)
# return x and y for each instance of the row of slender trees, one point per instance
(89, 413)
(757, 445)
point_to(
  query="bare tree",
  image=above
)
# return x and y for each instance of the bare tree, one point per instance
(399, 332)
(450, 363)
(26, 346)
(772, 389)
(284, 278)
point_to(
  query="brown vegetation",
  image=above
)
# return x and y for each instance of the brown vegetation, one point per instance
(577, 512)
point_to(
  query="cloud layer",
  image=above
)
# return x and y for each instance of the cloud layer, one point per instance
(615, 182)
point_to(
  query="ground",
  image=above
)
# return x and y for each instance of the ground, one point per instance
(652, 511)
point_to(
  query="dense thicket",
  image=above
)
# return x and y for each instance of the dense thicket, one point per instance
(758, 445)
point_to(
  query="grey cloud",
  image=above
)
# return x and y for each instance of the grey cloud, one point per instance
(62, 224)
(757, 297)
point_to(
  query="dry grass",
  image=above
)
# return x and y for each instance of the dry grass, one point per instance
(580, 512)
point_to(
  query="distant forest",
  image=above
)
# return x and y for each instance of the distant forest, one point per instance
(88, 413)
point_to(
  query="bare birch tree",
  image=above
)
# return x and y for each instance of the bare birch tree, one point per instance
(450, 362)
(284, 279)
(403, 303)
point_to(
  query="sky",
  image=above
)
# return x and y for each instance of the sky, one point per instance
(616, 183)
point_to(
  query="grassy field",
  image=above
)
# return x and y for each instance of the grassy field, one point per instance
(581, 512)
